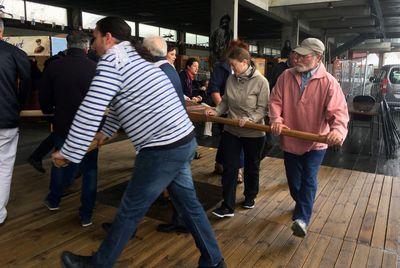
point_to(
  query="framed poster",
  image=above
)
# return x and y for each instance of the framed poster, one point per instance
(32, 45)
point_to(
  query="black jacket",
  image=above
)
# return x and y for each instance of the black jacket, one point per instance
(276, 72)
(14, 67)
(65, 84)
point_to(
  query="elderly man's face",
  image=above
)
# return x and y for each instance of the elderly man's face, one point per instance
(305, 63)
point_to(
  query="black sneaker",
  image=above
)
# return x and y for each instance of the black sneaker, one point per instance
(50, 206)
(223, 212)
(70, 260)
(86, 222)
(248, 204)
(36, 164)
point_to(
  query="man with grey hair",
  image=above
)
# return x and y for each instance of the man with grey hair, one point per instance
(65, 84)
(13, 64)
(307, 98)
(157, 47)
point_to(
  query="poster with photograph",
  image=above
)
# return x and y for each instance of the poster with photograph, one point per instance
(32, 45)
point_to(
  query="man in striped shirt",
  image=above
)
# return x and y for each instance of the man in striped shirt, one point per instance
(145, 104)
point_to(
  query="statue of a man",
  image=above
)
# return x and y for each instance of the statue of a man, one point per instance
(220, 39)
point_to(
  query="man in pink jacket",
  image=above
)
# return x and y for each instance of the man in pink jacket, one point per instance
(307, 98)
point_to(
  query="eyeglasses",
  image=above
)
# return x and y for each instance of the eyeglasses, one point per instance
(303, 57)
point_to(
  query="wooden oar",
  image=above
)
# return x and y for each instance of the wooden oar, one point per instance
(201, 117)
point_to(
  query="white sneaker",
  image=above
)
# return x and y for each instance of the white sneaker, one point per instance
(299, 228)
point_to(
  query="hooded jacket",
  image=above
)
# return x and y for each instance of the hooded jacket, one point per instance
(246, 96)
(319, 109)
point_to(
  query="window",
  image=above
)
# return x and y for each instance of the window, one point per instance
(195, 39)
(267, 51)
(190, 38)
(89, 20)
(133, 27)
(148, 30)
(202, 40)
(15, 8)
(395, 76)
(168, 34)
(253, 49)
(46, 14)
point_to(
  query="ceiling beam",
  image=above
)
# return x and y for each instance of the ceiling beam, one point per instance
(357, 30)
(378, 12)
(335, 13)
(348, 45)
(335, 24)
(280, 3)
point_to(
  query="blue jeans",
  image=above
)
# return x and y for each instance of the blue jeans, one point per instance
(63, 177)
(154, 171)
(301, 173)
(234, 147)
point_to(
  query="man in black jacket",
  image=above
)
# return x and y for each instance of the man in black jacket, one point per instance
(65, 84)
(14, 64)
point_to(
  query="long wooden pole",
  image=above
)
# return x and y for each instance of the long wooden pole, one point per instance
(202, 117)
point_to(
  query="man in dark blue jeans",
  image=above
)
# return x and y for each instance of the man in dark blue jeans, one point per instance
(143, 101)
(307, 98)
(301, 173)
(64, 176)
(65, 83)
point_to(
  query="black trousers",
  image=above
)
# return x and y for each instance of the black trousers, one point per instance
(45, 147)
(252, 148)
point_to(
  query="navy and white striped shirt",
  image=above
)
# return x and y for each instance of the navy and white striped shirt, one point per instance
(142, 101)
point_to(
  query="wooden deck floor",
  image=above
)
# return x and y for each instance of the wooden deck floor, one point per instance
(356, 221)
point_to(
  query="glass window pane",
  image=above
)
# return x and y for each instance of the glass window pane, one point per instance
(202, 40)
(132, 25)
(14, 7)
(89, 20)
(148, 30)
(190, 38)
(168, 34)
(46, 13)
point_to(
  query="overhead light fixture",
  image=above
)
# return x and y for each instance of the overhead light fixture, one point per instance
(330, 5)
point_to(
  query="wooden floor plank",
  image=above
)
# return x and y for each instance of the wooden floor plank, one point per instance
(331, 253)
(346, 254)
(350, 209)
(360, 257)
(318, 251)
(393, 226)
(319, 221)
(303, 250)
(356, 220)
(334, 220)
(379, 234)
(375, 258)
(390, 260)
(367, 226)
